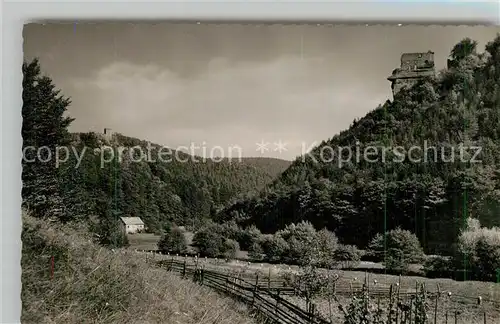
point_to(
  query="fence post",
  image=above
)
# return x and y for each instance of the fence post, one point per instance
(436, 307)
(411, 308)
(330, 301)
(184, 269)
(311, 312)
(484, 317)
(416, 296)
(456, 316)
(269, 280)
(254, 291)
(398, 285)
(446, 318)
(389, 316)
(277, 302)
(367, 282)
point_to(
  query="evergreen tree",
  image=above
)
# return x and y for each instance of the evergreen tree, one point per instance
(44, 129)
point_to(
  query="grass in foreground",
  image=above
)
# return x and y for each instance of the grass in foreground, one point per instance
(91, 284)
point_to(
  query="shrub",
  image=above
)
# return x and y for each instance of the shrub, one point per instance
(298, 244)
(299, 252)
(248, 237)
(212, 244)
(230, 249)
(437, 264)
(300, 239)
(309, 282)
(487, 260)
(397, 259)
(402, 249)
(111, 234)
(470, 236)
(275, 248)
(255, 252)
(173, 241)
(229, 230)
(325, 246)
(481, 247)
(208, 243)
(303, 232)
(348, 256)
(107, 226)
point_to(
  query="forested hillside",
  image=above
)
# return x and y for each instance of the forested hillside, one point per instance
(433, 198)
(181, 190)
(91, 182)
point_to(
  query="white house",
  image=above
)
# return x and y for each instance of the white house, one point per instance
(132, 224)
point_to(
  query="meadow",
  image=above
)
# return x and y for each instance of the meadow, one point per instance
(457, 298)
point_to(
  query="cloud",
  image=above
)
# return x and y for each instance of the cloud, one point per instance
(227, 103)
(176, 83)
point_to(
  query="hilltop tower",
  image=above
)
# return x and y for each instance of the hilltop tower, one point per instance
(108, 133)
(414, 66)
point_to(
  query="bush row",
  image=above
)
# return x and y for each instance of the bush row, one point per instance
(477, 249)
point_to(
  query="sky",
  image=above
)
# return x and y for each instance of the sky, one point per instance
(217, 88)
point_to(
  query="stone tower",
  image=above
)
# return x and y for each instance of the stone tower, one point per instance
(108, 133)
(414, 66)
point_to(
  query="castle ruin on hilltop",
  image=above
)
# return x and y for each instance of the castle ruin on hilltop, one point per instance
(108, 133)
(414, 66)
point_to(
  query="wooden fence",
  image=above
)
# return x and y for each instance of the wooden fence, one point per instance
(267, 295)
(265, 301)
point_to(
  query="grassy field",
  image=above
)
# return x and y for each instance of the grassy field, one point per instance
(473, 289)
(143, 241)
(148, 241)
(86, 283)
(463, 294)
(462, 298)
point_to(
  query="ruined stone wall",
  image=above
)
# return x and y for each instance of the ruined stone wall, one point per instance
(414, 66)
(417, 61)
